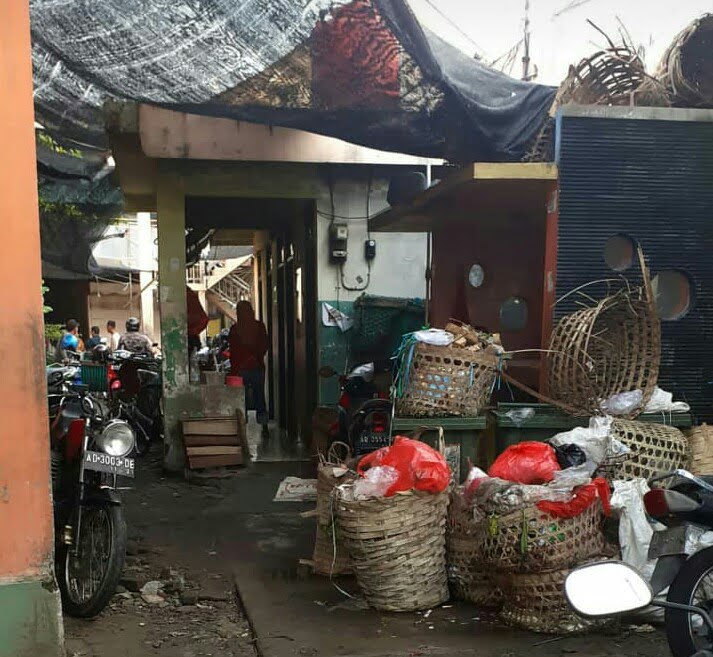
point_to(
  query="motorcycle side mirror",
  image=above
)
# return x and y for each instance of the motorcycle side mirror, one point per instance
(327, 372)
(606, 588)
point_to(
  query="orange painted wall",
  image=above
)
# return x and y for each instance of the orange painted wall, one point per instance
(25, 504)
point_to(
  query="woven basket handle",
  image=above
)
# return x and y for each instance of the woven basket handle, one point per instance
(441, 447)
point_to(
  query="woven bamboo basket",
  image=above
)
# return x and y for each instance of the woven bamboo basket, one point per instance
(686, 69)
(446, 381)
(655, 449)
(536, 602)
(397, 548)
(467, 578)
(610, 348)
(530, 541)
(330, 557)
(700, 441)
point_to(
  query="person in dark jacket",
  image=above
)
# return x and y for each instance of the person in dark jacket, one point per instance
(95, 339)
(248, 346)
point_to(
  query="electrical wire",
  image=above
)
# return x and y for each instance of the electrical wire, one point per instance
(457, 27)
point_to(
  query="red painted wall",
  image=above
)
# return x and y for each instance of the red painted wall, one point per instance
(25, 504)
(510, 249)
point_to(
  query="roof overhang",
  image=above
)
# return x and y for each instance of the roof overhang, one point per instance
(485, 186)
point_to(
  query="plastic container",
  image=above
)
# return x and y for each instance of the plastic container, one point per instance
(548, 421)
(234, 381)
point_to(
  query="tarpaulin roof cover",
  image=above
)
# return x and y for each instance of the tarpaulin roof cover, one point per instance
(361, 70)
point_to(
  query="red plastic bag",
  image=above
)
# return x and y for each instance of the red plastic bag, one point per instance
(584, 497)
(420, 467)
(529, 462)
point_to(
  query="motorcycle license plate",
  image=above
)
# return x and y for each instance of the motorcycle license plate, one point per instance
(118, 465)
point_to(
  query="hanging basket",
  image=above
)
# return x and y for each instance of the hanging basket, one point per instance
(397, 548)
(536, 602)
(529, 540)
(443, 381)
(330, 557)
(656, 449)
(610, 348)
(700, 441)
(467, 578)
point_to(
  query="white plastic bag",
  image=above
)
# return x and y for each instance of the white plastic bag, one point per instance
(570, 478)
(475, 473)
(375, 482)
(434, 336)
(662, 402)
(593, 440)
(520, 415)
(623, 403)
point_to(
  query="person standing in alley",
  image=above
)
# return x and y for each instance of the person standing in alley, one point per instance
(70, 342)
(248, 346)
(113, 335)
(135, 341)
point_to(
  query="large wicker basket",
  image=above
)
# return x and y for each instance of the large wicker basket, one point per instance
(446, 381)
(397, 548)
(330, 557)
(467, 578)
(655, 450)
(610, 348)
(536, 602)
(700, 440)
(529, 540)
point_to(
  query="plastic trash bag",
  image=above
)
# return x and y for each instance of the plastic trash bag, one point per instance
(584, 497)
(419, 466)
(529, 462)
(437, 337)
(519, 416)
(594, 440)
(570, 478)
(623, 403)
(493, 495)
(662, 402)
(570, 456)
(473, 475)
(375, 483)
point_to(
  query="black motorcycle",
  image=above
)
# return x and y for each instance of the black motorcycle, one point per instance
(88, 452)
(135, 391)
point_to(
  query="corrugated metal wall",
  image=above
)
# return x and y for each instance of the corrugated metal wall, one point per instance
(651, 180)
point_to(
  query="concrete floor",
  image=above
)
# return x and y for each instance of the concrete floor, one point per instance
(231, 526)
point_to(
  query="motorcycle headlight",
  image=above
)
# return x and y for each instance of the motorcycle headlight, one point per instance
(116, 439)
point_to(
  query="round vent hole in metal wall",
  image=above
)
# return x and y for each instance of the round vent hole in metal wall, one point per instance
(513, 314)
(476, 276)
(619, 252)
(673, 292)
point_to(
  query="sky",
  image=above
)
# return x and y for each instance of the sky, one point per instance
(557, 39)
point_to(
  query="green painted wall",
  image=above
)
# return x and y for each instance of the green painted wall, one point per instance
(333, 351)
(30, 620)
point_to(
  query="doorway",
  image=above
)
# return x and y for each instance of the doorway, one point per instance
(281, 233)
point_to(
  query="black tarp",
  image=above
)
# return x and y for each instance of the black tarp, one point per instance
(361, 70)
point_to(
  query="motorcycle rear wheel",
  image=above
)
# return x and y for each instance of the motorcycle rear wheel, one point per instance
(88, 582)
(693, 586)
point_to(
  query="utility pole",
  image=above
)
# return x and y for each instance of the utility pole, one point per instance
(526, 42)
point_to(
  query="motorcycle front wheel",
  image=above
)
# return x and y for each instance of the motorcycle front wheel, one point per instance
(687, 633)
(88, 577)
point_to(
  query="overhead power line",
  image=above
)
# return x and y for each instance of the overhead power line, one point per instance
(458, 28)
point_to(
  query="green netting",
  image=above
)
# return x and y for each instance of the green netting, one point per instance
(379, 323)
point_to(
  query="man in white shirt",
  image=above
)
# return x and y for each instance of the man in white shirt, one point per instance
(113, 335)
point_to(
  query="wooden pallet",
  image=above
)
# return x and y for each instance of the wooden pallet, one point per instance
(213, 442)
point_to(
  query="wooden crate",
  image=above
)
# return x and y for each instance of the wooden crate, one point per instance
(212, 442)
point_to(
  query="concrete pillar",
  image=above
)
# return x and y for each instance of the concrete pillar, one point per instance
(30, 622)
(178, 397)
(146, 266)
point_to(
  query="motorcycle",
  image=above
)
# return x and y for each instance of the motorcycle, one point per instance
(364, 414)
(135, 392)
(89, 450)
(685, 507)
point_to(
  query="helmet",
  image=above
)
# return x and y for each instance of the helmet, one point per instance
(132, 324)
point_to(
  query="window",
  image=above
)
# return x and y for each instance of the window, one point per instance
(513, 314)
(619, 252)
(476, 276)
(673, 292)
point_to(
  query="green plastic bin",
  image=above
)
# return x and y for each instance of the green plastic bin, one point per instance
(549, 421)
(95, 376)
(465, 437)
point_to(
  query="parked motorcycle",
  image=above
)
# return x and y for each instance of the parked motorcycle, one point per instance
(686, 508)
(135, 392)
(364, 414)
(88, 452)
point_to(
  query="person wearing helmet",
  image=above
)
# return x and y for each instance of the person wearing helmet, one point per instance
(135, 341)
